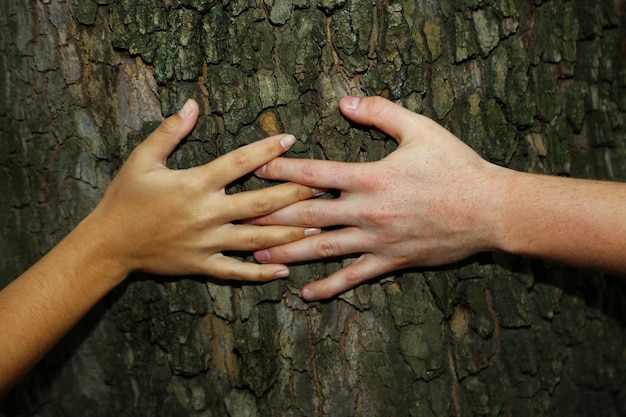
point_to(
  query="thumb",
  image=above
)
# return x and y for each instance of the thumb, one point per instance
(161, 143)
(379, 112)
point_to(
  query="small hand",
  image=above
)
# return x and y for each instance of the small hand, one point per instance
(179, 222)
(425, 204)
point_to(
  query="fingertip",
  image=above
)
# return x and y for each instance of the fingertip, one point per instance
(281, 273)
(312, 231)
(188, 108)
(317, 291)
(287, 141)
(379, 112)
(349, 103)
(262, 256)
(308, 294)
(170, 132)
(260, 171)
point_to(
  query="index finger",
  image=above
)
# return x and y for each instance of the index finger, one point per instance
(235, 164)
(312, 172)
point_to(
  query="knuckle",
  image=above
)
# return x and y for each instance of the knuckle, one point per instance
(253, 274)
(256, 240)
(191, 186)
(168, 126)
(324, 248)
(306, 215)
(378, 106)
(270, 168)
(206, 219)
(262, 204)
(237, 275)
(271, 148)
(240, 161)
(373, 217)
(352, 279)
(369, 181)
(309, 173)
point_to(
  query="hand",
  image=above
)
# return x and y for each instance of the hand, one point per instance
(179, 221)
(428, 203)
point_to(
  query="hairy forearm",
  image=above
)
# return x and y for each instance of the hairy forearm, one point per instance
(577, 222)
(42, 305)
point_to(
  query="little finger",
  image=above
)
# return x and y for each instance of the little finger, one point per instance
(227, 268)
(363, 269)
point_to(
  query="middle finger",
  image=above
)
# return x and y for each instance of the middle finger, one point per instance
(250, 238)
(312, 213)
(340, 242)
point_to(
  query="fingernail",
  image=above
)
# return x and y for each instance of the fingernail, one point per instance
(262, 256)
(312, 231)
(282, 273)
(186, 109)
(287, 141)
(352, 103)
(260, 171)
(317, 192)
(307, 294)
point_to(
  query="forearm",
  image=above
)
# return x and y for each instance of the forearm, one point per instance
(577, 222)
(42, 305)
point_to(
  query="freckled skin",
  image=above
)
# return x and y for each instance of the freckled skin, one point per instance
(434, 201)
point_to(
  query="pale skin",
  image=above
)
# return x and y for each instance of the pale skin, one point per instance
(435, 201)
(152, 219)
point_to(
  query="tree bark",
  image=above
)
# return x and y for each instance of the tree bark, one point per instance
(536, 85)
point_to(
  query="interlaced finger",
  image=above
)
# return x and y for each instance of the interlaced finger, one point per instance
(311, 213)
(251, 238)
(314, 173)
(250, 204)
(345, 241)
(227, 268)
(235, 164)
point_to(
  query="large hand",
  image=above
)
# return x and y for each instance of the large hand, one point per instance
(179, 221)
(426, 204)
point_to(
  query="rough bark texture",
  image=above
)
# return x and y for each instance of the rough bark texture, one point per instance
(531, 84)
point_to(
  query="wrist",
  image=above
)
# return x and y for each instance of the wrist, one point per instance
(103, 255)
(498, 199)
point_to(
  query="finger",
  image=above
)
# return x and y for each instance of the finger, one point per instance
(311, 213)
(366, 267)
(346, 241)
(250, 238)
(261, 202)
(381, 113)
(235, 164)
(224, 267)
(313, 173)
(162, 142)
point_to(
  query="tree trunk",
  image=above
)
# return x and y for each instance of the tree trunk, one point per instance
(535, 85)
